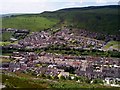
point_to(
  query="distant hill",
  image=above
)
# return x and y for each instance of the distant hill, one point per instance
(103, 19)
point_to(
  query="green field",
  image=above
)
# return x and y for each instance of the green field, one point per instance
(4, 60)
(113, 44)
(6, 36)
(7, 43)
(4, 43)
(33, 23)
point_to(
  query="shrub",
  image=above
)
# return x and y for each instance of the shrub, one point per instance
(62, 78)
(98, 81)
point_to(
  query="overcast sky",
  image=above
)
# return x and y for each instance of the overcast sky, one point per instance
(38, 6)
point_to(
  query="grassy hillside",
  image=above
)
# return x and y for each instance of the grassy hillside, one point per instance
(33, 23)
(98, 18)
(25, 81)
(113, 45)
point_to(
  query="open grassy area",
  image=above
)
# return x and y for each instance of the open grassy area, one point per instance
(6, 36)
(7, 43)
(4, 43)
(4, 60)
(112, 44)
(21, 82)
(33, 23)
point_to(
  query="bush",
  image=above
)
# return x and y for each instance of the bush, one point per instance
(42, 75)
(55, 77)
(75, 78)
(62, 78)
(48, 77)
(98, 81)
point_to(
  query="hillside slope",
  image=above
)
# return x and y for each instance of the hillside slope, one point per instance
(98, 18)
(103, 19)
